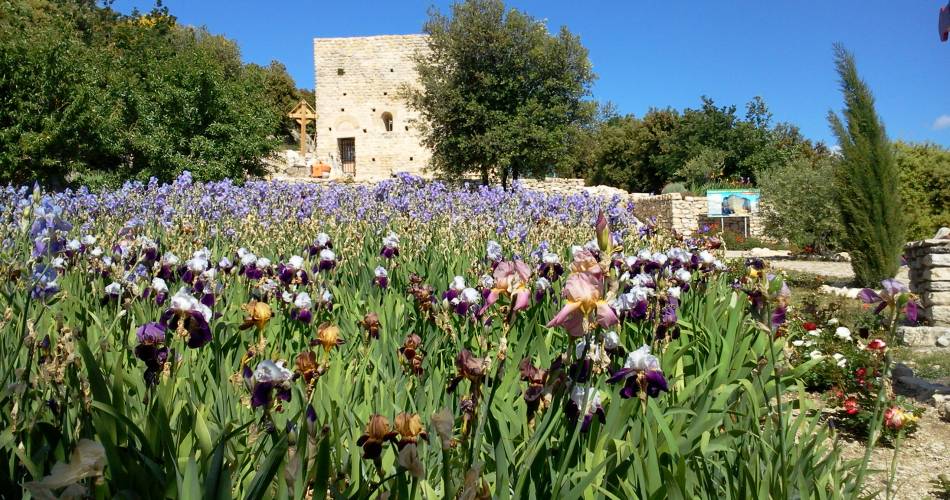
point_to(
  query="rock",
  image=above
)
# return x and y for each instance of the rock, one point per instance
(944, 341)
(942, 234)
(922, 336)
(844, 256)
(916, 387)
(901, 370)
(943, 409)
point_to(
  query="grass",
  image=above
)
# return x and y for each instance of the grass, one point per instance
(930, 365)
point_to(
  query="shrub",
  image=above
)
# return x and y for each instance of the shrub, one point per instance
(799, 205)
(924, 187)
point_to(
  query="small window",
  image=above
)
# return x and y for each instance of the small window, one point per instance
(388, 121)
(341, 109)
(340, 72)
(344, 94)
(364, 130)
(331, 129)
(391, 70)
(410, 158)
(407, 128)
(385, 93)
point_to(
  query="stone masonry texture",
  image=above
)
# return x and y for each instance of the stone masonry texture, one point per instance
(359, 81)
(929, 263)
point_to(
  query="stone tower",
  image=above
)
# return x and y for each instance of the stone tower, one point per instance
(363, 128)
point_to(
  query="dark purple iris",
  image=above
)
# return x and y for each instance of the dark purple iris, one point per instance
(151, 350)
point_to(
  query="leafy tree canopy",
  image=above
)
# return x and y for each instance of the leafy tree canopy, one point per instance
(699, 147)
(88, 95)
(500, 95)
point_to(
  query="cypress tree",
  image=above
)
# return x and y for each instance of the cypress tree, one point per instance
(866, 180)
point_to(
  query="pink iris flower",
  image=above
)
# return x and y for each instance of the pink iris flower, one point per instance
(584, 298)
(511, 278)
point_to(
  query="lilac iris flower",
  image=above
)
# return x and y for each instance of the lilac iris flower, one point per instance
(894, 293)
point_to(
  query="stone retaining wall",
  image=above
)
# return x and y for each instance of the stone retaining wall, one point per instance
(929, 262)
(672, 211)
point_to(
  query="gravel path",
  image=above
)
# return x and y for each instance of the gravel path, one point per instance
(838, 271)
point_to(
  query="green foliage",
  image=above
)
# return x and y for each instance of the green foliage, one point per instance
(800, 205)
(93, 96)
(866, 181)
(924, 171)
(710, 145)
(499, 95)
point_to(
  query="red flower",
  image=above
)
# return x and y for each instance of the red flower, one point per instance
(851, 406)
(861, 372)
(876, 345)
(809, 326)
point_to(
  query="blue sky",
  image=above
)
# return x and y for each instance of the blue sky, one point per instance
(658, 54)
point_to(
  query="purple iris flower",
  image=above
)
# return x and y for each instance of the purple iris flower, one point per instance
(641, 373)
(586, 402)
(293, 271)
(894, 293)
(390, 246)
(44, 282)
(268, 377)
(322, 241)
(151, 349)
(188, 315)
(381, 277)
(327, 260)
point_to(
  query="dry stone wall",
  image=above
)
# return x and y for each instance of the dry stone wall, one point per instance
(929, 262)
(358, 86)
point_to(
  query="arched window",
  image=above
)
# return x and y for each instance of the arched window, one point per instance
(388, 121)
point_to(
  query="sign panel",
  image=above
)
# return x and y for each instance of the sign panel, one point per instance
(732, 202)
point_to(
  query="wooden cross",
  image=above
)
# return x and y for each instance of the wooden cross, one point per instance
(303, 114)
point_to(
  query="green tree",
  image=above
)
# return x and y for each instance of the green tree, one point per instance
(924, 171)
(499, 95)
(88, 95)
(866, 180)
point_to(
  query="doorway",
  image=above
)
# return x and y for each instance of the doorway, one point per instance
(347, 147)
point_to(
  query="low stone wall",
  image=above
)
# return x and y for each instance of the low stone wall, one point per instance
(672, 211)
(929, 263)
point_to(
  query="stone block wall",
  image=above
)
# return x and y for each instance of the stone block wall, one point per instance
(929, 262)
(359, 81)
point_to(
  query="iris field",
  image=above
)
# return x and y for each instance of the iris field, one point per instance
(405, 340)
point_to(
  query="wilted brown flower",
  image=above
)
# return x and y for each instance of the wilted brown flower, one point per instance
(409, 460)
(410, 429)
(378, 431)
(259, 313)
(421, 293)
(410, 350)
(444, 424)
(329, 336)
(535, 377)
(469, 368)
(307, 366)
(474, 487)
(371, 323)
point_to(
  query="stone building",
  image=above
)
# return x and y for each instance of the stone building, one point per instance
(364, 129)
